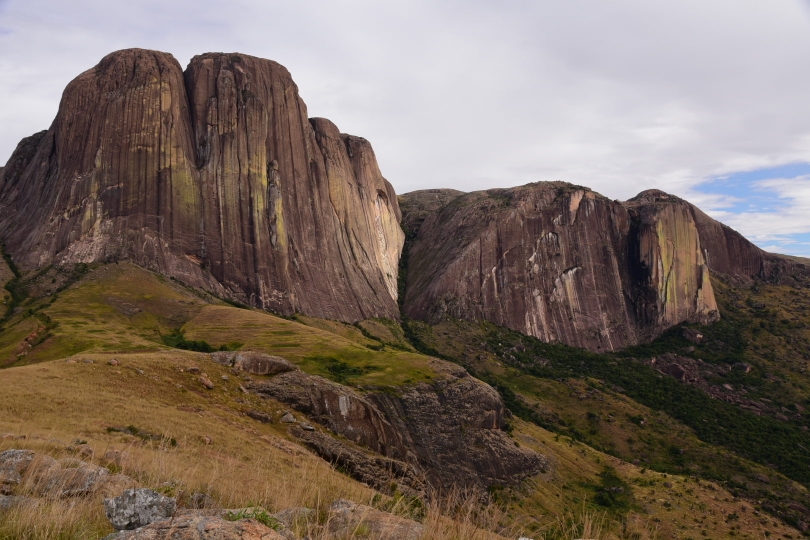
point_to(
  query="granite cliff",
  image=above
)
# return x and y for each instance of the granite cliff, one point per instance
(561, 263)
(214, 176)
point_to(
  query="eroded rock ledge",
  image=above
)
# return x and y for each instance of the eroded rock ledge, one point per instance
(450, 432)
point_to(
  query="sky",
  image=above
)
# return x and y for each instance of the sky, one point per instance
(708, 100)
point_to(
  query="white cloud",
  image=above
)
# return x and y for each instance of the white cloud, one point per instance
(779, 227)
(620, 96)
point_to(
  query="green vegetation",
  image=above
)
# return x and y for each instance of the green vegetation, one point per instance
(259, 514)
(585, 403)
(619, 405)
(177, 340)
(613, 492)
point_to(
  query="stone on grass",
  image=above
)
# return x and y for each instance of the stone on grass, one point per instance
(13, 464)
(345, 517)
(74, 481)
(137, 508)
(197, 526)
(264, 418)
(255, 363)
(9, 502)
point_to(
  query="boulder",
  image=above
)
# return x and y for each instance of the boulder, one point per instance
(9, 502)
(13, 464)
(692, 335)
(137, 508)
(264, 418)
(451, 430)
(19, 465)
(291, 516)
(255, 363)
(72, 481)
(347, 517)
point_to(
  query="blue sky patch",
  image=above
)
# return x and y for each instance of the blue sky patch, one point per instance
(770, 206)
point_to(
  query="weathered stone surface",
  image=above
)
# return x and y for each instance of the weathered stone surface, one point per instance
(561, 263)
(290, 516)
(666, 259)
(13, 464)
(450, 430)
(264, 418)
(377, 471)
(72, 481)
(253, 362)
(137, 508)
(214, 176)
(9, 502)
(200, 527)
(345, 517)
(20, 159)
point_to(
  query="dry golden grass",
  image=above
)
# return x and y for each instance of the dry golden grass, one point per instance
(249, 463)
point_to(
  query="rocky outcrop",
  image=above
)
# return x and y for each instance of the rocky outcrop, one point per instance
(253, 362)
(216, 177)
(561, 263)
(416, 206)
(384, 474)
(195, 526)
(43, 476)
(450, 431)
(20, 159)
(346, 517)
(137, 508)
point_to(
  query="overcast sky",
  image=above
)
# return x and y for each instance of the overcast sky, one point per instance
(706, 99)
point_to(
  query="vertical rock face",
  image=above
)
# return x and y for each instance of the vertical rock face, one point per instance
(561, 263)
(215, 176)
(670, 274)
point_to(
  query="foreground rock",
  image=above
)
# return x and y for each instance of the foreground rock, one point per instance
(13, 464)
(450, 431)
(370, 468)
(346, 518)
(200, 527)
(138, 507)
(214, 176)
(561, 263)
(46, 477)
(8, 502)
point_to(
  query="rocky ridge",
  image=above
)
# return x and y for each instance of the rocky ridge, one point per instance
(450, 432)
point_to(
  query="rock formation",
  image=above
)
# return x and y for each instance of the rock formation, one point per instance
(418, 205)
(561, 263)
(449, 432)
(216, 177)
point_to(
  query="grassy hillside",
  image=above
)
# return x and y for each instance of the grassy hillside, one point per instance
(621, 404)
(619, 465)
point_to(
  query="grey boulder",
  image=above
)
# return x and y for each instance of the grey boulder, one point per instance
(137, 508)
